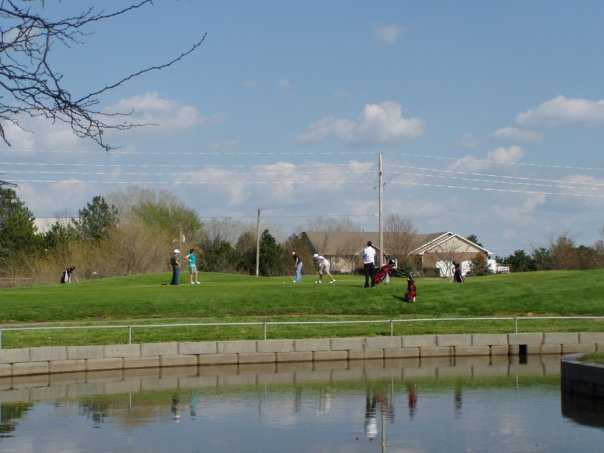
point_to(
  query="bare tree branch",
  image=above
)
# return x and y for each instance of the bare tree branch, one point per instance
(31, 86)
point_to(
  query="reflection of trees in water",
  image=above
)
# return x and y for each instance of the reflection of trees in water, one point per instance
(96, 409)
(10, 414)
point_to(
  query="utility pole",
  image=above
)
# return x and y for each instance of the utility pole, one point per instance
(258, 244)
(381, 207)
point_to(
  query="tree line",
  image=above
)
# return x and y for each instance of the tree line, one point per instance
(132, 232)
(561, 253)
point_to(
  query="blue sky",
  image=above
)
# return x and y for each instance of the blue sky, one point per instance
(488, 88)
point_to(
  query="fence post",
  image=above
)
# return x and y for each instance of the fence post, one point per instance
(391, 328)
(265, 325)
(515, 324)
(129, 334)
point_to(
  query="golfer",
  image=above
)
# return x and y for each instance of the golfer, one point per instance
(298, 267)
(323, 266)
(175, 264)
(192, 263)
(369, 253)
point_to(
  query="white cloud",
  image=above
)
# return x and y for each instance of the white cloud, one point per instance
(162, 114)
(563, 111)
(501, 155)
(388, 33)
(468, 141)
(378, 123)
(517, 134)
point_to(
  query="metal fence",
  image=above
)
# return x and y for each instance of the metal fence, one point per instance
(390, 323)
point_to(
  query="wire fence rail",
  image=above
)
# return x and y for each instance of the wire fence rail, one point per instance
(266, 324)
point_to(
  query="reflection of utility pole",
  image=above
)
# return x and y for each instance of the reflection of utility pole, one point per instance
(381, 207)
(383, 431)
(258, 244)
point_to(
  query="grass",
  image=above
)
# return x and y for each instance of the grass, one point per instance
(596, 357)
(230, 298)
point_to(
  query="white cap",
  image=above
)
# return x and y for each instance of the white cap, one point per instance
(293, 253)
(176, 251)
(315, 255)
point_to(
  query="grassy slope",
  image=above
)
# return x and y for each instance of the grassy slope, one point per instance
(235, 297)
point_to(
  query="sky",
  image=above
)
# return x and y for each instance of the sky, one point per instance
(490, 116)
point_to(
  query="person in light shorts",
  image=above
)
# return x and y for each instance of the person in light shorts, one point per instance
(192, 264)
(323, 266)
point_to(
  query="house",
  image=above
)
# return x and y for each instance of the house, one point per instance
(442, 251)
(425, 252)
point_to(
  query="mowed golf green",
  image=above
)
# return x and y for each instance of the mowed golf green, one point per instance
(228, 297)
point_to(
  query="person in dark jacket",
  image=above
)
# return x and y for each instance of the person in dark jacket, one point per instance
(175, 265)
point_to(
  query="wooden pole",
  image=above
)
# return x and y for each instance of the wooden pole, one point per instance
(258, 244)
(381, 207)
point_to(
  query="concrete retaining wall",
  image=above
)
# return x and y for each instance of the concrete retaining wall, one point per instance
(581, 378)
(65, 359)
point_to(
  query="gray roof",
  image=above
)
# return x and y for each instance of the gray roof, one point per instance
(343, 243)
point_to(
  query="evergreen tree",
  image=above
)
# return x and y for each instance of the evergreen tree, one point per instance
(96, 219)
(19, 242)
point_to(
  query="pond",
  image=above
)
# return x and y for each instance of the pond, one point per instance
(463, 405)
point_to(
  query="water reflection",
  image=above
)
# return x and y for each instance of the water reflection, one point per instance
(403, 406)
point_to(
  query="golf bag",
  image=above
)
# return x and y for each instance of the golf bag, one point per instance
(385, 270)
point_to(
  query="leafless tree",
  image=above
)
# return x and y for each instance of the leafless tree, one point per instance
(31, 85)
(400, 235)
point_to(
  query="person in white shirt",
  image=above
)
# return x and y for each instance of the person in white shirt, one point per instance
(369, 253)
(323, 266)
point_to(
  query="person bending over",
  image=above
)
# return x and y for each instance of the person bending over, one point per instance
(323, 266)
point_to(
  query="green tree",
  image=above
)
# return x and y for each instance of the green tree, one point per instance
(19, 243)
(97, 219)
(474, 239)
(543, 259)
(57, 241)
(271, 254)
(520, 261)
(218, 255)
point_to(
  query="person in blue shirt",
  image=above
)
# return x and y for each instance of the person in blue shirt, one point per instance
(192, 263)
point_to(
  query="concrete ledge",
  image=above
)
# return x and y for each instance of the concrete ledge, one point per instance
(19, 355)
(454, 340)
(199, 347)
(366, 354)
(560, 338)
(157, 349)
(419, 340)
(489, 339)
(104, 364)
(297, 356)
(468, 351)
(47, 353)
(67, 366)
(218, 359)
(178, 360)
(257, 357)
(525, 338)
(122, 350)
(348, 344)
(401, 353)
(236, 347)
(275, 346)
(35, 361)
(499, 350)
(319, 344)
(329, 355)
(436, 351)
(85, 352)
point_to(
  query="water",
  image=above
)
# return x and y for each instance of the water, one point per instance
(440, 405)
